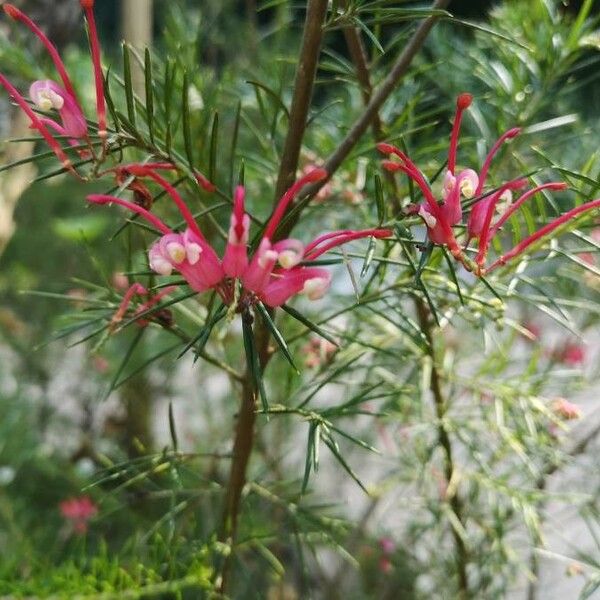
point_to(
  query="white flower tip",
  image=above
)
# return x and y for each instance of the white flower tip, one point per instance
(467, 189)
(47, 99)
(315, 288)
(161, 266)
(289, 258)
(176, 252)
(193, 252)
(468, 183)
(429, 219)
(267, 257)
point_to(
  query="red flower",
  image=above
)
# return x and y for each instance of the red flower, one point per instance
(78, 511)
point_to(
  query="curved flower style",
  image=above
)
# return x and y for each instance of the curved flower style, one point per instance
(440, 217)
(47, 95)
(272, 275)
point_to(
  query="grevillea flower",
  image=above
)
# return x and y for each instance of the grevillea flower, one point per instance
(441, 216)
(48, 95)
(78, 511)
(273, 274)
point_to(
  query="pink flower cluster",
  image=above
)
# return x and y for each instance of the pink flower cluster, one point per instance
(273, 274)
(441, 216)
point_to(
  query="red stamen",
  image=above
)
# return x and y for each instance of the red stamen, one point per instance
(204, 183)
(416, 176)
(134, 290)
(484, 236)
(559, 185)
(343, 238)
(14, 13)
(152, 219)
(434, 207)
(324, 237)
(88, 6)
(186, 213)
(462, 103)
(511, 133)
(314, 175)
(521, 247)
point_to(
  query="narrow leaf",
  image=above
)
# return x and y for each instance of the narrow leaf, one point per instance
(128, 84)
(264, 313)
(149, 93)
(187, 129)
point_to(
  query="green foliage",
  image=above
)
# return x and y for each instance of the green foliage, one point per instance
(414, 383)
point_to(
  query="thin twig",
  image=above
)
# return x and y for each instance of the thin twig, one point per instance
(380, 95)
(444, 441)
(384, 91)
(358, 55)
(303, 90)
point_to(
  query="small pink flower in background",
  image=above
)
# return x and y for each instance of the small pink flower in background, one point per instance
(318, 351)
(588, 258)
(100, 364)
(534, 329)
(387, 545)
(78, 512)
(120, 281)
(571, 354)
(565, 409)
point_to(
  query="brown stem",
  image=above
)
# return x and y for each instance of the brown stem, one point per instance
(242, 449)
(358, 55)
(244, 433)
(444, 441)
(303, 90)
(384, 90)
(380, 95)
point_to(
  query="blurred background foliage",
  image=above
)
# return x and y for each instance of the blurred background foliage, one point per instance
(156, 479)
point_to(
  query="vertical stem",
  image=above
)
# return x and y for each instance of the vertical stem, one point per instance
(441, 405)
(303, 90)
(242, 449)
(244, 433)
